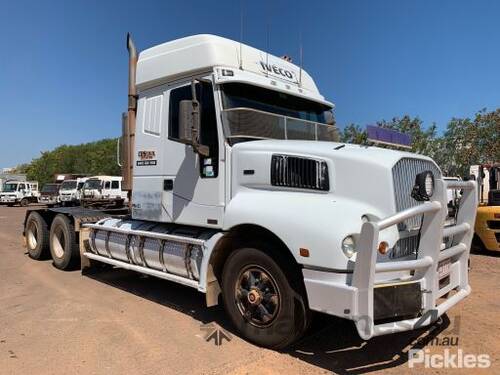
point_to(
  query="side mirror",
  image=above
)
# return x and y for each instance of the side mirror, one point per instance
(189, 123)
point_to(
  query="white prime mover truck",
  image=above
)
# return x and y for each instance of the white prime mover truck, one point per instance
(238, 190)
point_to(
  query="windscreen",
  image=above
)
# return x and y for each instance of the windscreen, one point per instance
(50, 188)
(255, 112)
(93, 184)
(68, 185)
(9, 188)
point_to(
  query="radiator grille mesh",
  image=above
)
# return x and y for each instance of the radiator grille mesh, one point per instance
(403, 174)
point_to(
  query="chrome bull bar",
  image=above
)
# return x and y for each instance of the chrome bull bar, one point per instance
(430, 252)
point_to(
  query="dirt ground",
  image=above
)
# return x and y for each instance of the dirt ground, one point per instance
(119, 322)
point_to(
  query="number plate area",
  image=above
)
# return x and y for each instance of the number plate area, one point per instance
(397, 301)
(444, 268)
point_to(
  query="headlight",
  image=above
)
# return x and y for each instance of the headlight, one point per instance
(424, 186)
(349, 246)
(429, 184)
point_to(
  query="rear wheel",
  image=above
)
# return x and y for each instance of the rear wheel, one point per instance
(261, 298)
(63, 246)
(37, 236)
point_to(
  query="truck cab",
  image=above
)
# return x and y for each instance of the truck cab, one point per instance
(19, 192)
(70, 191)
(49, 195)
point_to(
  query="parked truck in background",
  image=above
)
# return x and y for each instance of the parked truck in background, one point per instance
(49, 195)
(103, 191)
(19, 192)
(487, 226)
(240, 190)
(4, 177)
(70, 191)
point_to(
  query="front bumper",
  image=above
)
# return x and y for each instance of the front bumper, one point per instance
(48, 200)
(67, 198)
(7, 200)
(352, 296)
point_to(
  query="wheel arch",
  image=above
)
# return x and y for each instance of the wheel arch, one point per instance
(245, 235)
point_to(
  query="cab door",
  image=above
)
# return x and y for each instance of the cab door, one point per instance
(175, 184)
(106, 189)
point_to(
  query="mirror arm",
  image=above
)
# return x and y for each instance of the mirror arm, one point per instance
(197, 146)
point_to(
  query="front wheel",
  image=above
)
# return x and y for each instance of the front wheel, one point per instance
(24, 202)
(262, 300)
(63, 246)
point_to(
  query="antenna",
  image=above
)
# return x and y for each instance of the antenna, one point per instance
(241, 34)
(268, 37)
(300, 58)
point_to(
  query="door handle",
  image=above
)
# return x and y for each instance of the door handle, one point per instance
(168, 185)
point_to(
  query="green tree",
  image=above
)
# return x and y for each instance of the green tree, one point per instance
(353, 133)
(90, 158)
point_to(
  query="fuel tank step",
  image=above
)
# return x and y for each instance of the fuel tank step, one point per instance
(166, 248)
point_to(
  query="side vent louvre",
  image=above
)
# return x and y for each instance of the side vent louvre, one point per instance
(299, 172)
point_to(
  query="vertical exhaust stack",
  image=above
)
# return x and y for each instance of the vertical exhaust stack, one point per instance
(128, 125)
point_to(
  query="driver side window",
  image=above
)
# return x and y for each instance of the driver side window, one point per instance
(209, 166)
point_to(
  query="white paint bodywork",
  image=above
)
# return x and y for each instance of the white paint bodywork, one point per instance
(180, 58)
(318, 221)
(361, 183)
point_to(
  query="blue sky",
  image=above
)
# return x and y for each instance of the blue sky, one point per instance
(63, 64)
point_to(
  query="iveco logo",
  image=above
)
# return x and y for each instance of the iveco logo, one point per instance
(277, 70)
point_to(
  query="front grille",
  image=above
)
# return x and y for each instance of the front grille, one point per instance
(405, 247)
(299, 172)
(403, 175)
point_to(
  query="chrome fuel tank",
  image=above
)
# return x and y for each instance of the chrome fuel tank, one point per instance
(150, 245)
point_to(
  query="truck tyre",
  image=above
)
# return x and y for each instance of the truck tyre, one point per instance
(37, 236)
(261, 298)
(63, 246)
(24, 202)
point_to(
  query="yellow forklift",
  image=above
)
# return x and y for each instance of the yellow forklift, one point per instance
(487, 227)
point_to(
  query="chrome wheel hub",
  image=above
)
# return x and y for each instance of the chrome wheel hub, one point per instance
(257, 296)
